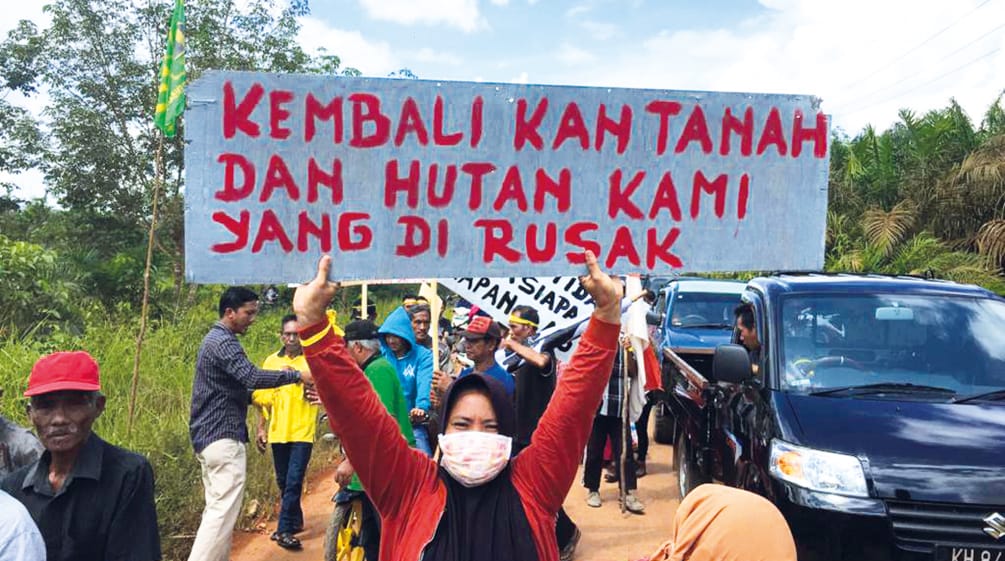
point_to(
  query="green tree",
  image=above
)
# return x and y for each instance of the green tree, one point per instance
(98, 62)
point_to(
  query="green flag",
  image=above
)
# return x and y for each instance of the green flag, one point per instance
(171, 93)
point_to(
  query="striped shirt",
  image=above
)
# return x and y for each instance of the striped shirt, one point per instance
(614, 396)
(220, 392)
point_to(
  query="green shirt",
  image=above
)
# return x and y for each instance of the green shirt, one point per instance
(384, 380)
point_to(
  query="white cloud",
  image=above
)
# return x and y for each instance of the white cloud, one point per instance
(428, 55)
(828, 49)
(600, 31)
(372, 58)
(573, 55)
(521, 79)
(577, 10)
(500, 2)
(462, 14)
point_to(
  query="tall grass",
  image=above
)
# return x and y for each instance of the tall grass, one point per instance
(160, 427)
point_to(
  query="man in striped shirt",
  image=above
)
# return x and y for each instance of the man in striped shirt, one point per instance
(218, 422)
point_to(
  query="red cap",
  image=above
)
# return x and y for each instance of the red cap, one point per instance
(482, 327)
(74, 370)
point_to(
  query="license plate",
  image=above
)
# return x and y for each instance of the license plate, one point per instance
(950, 553)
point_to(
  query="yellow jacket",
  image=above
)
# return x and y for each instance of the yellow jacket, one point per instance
(291, 418)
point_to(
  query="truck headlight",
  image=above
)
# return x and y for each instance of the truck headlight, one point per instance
(818, 470)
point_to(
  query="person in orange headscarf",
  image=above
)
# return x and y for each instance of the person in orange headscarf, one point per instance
(719, 523)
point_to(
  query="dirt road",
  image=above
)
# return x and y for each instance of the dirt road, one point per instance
(608, 535)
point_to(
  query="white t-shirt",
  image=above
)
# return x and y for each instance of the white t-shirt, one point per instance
(20, 539)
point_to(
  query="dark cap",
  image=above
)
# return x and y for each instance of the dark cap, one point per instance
(482, 327)
(359, 330)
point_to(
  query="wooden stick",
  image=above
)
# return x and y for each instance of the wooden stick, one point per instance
(364, 305)
(626, 432)
(434, 324)
(158, 180)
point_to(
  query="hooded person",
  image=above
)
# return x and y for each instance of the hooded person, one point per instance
(478, 502)
(414, 365)
(719, 523)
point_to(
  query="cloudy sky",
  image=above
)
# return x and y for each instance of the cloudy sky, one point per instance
(865, 58)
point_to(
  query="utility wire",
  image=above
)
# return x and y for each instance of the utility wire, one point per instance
(857, 100)
(922, 44)
(936, 79)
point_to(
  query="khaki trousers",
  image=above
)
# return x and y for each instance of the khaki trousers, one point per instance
(224, 465)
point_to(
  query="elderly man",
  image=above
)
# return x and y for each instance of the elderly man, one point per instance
(90, 499)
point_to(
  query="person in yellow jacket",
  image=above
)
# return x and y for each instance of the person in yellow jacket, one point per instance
(292, 421)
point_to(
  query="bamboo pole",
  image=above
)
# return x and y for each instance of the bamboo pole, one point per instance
(144, 310)
(626, 431)
(364, 306)
(434, 325)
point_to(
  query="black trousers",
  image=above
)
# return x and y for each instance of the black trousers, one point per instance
(605, 427)
(369, 530)
(642, 428)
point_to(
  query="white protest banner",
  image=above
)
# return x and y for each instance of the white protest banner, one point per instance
(559, 301)
(434, 179)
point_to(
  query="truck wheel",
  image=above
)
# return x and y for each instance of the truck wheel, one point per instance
(688, 474)
(664, 425)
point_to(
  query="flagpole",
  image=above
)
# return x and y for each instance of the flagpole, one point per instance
(158, 181)
(169, 106)
(434, 320)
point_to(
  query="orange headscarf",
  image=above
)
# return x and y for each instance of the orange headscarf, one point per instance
(719, 523)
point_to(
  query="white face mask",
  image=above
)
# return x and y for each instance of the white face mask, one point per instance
(474, 457)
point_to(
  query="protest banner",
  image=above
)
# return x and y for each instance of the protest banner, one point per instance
(444, 179)
(559, 301)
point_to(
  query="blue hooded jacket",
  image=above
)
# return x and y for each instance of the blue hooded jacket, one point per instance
(415, 369)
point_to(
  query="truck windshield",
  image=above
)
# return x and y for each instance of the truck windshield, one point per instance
(906, 341)
(703, 309)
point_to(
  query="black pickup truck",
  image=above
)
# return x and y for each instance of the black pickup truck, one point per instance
(875, 420)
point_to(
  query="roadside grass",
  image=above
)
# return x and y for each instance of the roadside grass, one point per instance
(160, 426)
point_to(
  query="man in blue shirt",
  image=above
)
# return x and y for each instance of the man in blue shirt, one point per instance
(481, 340)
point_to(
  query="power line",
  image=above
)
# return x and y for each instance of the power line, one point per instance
(857, 100)
(922, 44)
(936, 79)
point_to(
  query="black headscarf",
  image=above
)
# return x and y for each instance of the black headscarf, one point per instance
(487, 522)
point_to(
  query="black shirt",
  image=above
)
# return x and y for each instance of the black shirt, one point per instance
(103, 512)
(533, 388)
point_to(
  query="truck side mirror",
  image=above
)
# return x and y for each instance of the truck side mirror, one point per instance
(731, 364)
(654, 317)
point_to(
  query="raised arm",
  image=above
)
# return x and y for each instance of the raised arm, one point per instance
(390, 471)
(547, 468)
(540, 360)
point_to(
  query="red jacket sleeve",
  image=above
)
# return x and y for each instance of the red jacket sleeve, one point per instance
(547, 468)
(393, 474)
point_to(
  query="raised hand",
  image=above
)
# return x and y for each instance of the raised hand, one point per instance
(311, 299)
(606, 291)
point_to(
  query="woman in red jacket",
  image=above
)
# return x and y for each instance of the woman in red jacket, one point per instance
(477, 504)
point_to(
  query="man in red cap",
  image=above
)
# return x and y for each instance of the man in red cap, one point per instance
(90, 499)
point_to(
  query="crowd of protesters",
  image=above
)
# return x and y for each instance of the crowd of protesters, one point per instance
(461, 446)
